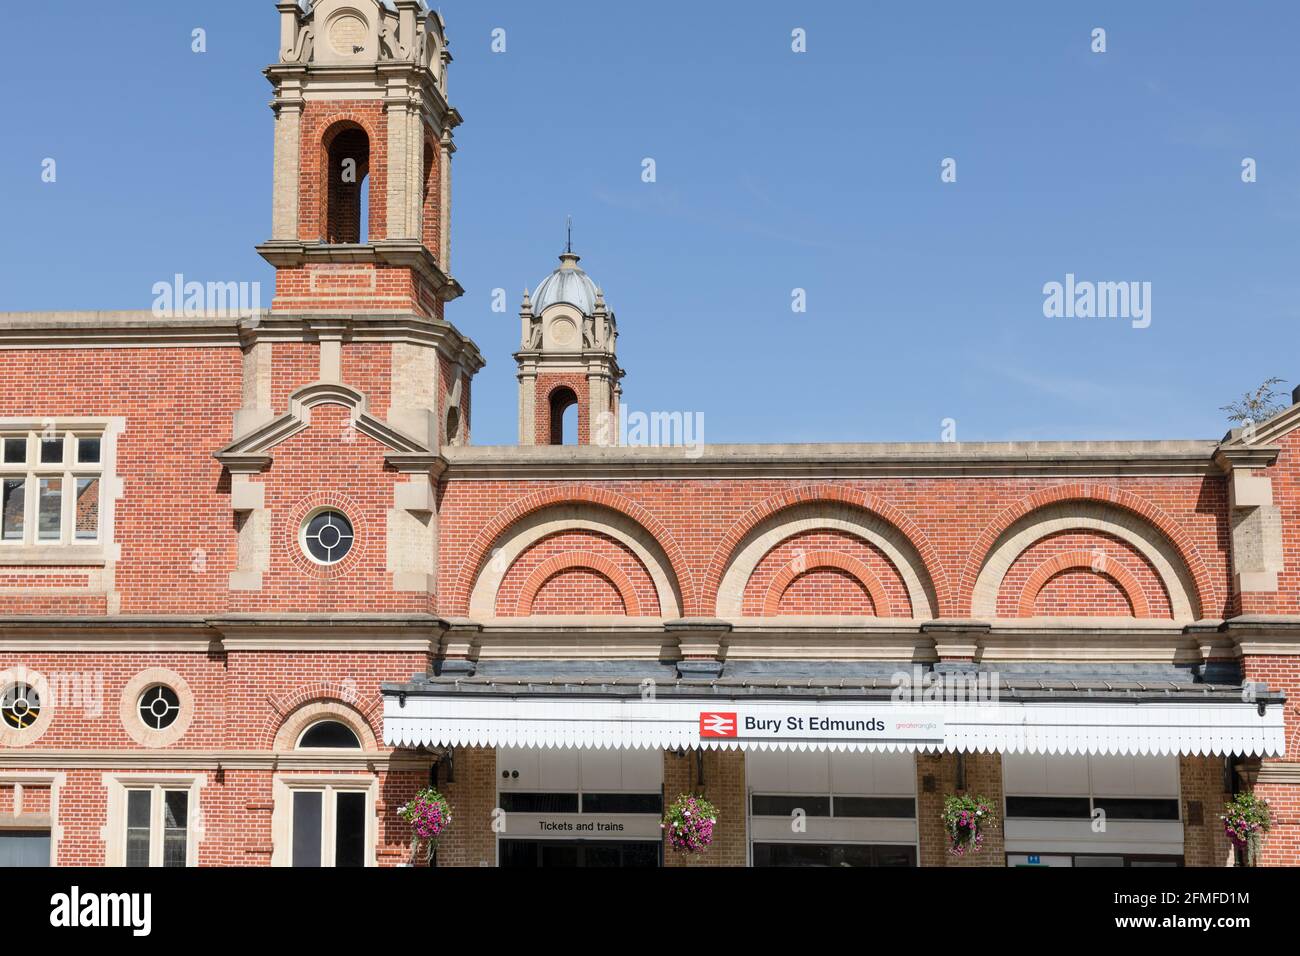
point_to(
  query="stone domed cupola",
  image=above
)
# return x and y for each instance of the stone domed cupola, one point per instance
(568, 284)
(567, 357)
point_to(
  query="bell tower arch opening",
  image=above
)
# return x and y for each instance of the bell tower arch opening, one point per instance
(363, 149)
(347, 180)
(564, 405)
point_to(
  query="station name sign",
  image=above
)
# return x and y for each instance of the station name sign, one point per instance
(880, 725)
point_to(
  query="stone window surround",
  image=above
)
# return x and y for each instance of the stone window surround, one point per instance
(136, 729)
(13, 737)
(113, 833)
(99, 551)
(284, 786)
(35, 821)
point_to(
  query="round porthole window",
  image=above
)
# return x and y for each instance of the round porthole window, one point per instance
(159, 707)
(20, 705)
(327, 537)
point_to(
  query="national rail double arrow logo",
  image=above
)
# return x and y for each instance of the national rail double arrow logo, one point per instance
(713, 724)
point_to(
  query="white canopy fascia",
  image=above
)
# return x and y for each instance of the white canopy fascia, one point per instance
(1111, 727)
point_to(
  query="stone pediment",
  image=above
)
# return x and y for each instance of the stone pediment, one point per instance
(251, 452)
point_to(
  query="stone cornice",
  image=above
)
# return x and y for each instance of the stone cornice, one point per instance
(114, 329)
(402, 253)
(365, 327)
(416, 633)
(327, 81)
(143, 329)
(960, 460)
(1279, 771)
(1229, 457)
(1265, 634)
(1100, 640)
(403, 633)
(28, 758)
(591, 637)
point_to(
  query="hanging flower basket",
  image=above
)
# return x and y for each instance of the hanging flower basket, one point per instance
(1245, 820)
(965, 819)
(689, 824)
(429, 815)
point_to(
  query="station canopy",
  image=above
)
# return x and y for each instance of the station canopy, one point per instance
(1071, 717)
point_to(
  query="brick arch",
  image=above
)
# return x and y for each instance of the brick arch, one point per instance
(930, 567)
(587, 560)
(325, 130)
(1124, 579)
(431, 211)
(600, 498)
(817, 560)
(560, 397)
(305, 704)
(1098, 495)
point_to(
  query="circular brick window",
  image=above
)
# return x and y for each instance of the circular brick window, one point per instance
(26, 707)
(327, 536)
(20, 706)
(159, 707)
(324, 535)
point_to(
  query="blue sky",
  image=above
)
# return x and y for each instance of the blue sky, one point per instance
(775, 171)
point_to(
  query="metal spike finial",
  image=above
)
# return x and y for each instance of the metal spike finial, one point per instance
(568, 245)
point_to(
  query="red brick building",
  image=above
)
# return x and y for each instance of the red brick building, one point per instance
(258, 587)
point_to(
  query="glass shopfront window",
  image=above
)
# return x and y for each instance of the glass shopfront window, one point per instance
(580, 807)
(811, 808)
(1099, 810)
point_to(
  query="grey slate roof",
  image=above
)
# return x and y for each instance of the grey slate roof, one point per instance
(828, 680)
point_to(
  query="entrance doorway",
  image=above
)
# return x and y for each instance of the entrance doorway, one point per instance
(609, 853)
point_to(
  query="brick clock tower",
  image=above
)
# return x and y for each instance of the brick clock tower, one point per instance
(567, 358)
(363, 146)
(355, 363)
